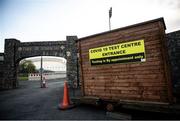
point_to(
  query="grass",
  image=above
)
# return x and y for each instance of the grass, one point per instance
(22, 78)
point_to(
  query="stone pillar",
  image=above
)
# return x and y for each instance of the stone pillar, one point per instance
(71, 56)
(10, 74)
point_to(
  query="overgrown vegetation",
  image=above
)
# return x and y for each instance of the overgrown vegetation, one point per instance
(23, 78)
(25, 67)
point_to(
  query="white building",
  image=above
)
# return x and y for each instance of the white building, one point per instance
(49, 63)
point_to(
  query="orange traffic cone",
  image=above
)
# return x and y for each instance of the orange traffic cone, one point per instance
(66, 104)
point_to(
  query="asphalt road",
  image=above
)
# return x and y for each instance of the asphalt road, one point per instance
(32, 102)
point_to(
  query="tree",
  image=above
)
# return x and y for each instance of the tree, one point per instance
(26, 66)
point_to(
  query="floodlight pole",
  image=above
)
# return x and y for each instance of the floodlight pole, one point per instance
(41, 69)
(109, 24)
(110, 14)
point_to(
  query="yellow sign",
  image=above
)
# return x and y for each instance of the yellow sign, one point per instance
(133, 51)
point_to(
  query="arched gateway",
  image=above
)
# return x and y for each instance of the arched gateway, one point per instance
(15, 51)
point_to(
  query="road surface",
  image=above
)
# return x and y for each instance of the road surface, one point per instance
(32, 102)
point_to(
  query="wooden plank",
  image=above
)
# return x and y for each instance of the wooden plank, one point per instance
(133, 69)
(166, 63)
(149, 42)
(125, 35)
(135, 81)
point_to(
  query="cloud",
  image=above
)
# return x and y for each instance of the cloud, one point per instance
(173, 4)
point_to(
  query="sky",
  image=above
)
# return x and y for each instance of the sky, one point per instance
(52, 20)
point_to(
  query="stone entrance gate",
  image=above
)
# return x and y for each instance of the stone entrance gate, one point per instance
(15, 51)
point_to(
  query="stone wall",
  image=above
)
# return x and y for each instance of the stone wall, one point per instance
(48, 48)
(10, 80)
(16, 51)
(71, 56)
(2, 69)
(174, 55)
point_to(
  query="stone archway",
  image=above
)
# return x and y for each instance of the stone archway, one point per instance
(16, 51)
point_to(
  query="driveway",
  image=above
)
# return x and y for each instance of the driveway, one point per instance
(30, 101)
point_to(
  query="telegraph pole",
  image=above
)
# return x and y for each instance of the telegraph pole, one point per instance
(110, 15)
